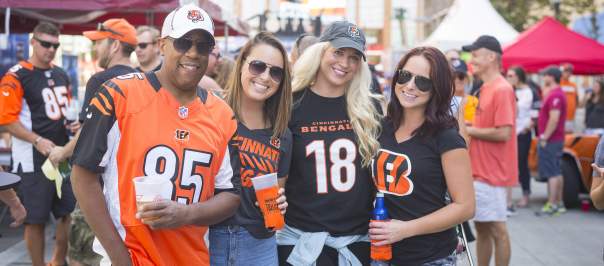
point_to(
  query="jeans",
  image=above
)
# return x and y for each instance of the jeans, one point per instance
(524, 145)
(450, 260)
(234, 245)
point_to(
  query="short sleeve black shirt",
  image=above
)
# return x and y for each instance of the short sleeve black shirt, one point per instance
(95, 82)
(411, 175)
(328, 190)
(259, 154)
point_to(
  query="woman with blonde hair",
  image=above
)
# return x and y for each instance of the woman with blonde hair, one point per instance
(259, 92)
(335, 124)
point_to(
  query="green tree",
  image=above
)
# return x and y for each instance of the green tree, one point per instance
(524, 13)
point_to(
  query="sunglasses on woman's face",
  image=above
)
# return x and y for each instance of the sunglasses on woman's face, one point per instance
(258, 67)
(46, 44)
(422, 83)
(182, 45)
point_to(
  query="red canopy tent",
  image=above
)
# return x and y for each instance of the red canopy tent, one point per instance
(76, 16)
(550, 42)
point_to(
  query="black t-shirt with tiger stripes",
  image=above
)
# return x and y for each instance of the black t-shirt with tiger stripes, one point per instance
(259, 154)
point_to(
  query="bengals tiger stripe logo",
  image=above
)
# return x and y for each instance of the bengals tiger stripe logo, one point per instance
(391, 171)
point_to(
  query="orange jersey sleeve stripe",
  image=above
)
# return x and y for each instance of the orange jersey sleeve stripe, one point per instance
(11, 96)
(95, 101)
(105, 102)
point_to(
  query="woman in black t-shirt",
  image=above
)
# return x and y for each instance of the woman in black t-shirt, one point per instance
(422, 161)
(259, 91)
(335, 125)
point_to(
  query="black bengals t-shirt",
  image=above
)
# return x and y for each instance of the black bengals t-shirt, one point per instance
(327, 190)
(259, 154)
(95, 82)
(411, 176)
(36, 98)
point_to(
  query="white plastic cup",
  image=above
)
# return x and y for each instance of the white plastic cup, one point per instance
(264, 181)
(71, 111)
(150, 188)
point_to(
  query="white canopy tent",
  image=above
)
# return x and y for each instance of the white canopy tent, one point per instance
(466, 21)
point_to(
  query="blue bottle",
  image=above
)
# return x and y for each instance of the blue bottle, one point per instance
(382, 254)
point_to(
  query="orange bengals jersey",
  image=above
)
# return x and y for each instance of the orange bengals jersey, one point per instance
(570, 90)
(133, 128)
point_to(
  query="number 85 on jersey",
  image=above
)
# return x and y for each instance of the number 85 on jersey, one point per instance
(164, 162)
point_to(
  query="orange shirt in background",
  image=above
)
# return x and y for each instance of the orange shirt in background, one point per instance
(570, 90)
(495, 163)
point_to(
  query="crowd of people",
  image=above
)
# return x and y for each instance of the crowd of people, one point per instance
(439, 149)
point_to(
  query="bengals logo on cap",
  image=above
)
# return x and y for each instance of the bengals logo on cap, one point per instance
(391, 172)
(354, 32)
(195, 15)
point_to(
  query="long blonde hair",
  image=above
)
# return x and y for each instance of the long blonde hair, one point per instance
(360, 102)
(277, 108)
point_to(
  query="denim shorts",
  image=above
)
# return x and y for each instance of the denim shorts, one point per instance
(549, 159)
(234, 245)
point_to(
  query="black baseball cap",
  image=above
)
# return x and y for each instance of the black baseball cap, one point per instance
(553, 71)
(484, 41)
(459, 66)
(343, 34)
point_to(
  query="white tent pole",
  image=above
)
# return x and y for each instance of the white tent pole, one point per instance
(7, 22)
(226, 38)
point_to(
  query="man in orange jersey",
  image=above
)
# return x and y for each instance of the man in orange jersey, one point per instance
(161, 125)
(572, 96)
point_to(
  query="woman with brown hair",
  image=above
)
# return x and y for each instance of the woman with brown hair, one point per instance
(423, 161)
(259, 92)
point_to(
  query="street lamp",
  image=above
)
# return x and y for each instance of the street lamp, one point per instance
(556, 6)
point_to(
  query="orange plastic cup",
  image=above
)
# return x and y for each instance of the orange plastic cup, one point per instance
(470, 108)
(267, 192)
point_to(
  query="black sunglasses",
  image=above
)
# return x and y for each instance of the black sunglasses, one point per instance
(182, 45)
(46, 44)
(143, 45)
(422, 83)
(101, 27)
(258, 67)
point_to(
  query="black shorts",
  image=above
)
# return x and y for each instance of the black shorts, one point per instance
(39, 196)
(329, 256)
